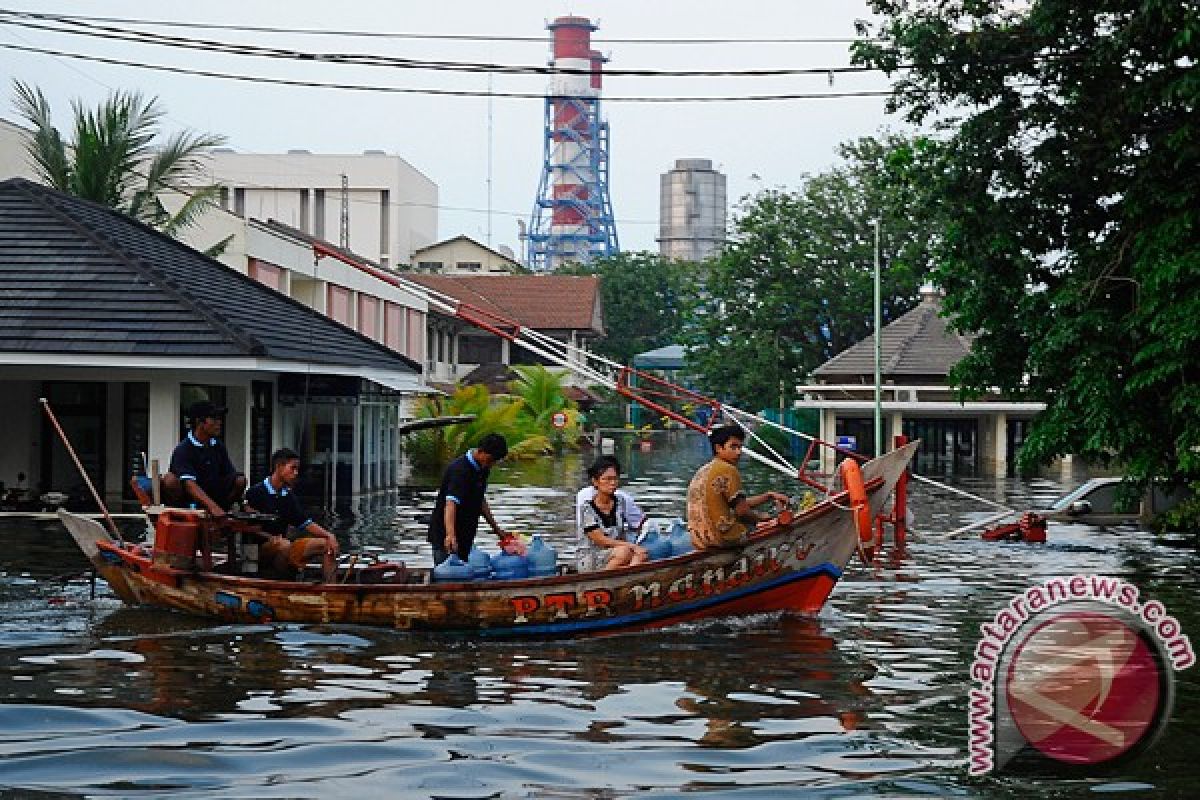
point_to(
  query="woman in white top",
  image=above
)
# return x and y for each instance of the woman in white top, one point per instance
(605, 533)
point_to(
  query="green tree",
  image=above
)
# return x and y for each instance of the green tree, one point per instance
(1072, 235)
(795, 285)
(640, 293)
(112, 158)
(500, 414)
(542, 394)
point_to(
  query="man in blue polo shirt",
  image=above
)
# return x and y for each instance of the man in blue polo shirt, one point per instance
(460, 500)
(295, 538)
(201, 471)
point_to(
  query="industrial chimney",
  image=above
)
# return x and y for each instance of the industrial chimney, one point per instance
(572, 214)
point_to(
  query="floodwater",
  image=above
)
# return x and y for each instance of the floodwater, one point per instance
(867, 699)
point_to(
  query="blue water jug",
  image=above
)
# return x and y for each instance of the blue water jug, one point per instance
(480, 564)
(657, 546)
(543, 559)
(452, 570)
(509, 567)
(681, 540)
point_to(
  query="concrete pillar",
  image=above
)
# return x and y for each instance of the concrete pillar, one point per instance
(1000, 431)
(164, 420)
(333, 458)
(356, 452)
(895, 427)
(829, 434)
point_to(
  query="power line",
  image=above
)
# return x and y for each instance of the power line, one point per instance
(373, 60)
(436, 36)
(440, 92)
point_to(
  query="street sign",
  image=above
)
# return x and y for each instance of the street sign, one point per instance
(559, 420)
(848, 443)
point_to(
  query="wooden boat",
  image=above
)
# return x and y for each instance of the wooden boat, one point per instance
(786, 564)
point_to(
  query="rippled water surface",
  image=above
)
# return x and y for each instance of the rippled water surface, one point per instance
(867, 699)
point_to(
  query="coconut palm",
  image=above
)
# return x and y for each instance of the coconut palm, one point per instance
(112, 158)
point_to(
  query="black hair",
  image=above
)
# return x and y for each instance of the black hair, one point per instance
(282, 456)
(494, 445)
(722, 434)
(601, 465)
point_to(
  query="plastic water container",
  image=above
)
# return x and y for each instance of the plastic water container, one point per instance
(509, 567)
(480, 564)
(543, 559)
(657, 546)
(452, 570)
(681, 540)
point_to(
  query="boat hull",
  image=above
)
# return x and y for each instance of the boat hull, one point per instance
(784, 566)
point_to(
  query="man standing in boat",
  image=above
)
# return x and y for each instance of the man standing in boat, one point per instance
(460, 500)
(201, 471)
(718, 511)
(282, 556)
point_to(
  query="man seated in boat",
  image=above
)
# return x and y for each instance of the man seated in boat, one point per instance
(295, 539)
(718, 512)
(460, 500)
(201, 472)
(604, 526)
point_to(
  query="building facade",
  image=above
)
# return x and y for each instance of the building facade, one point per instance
(462, 255)
(918, 350)
(387, 207)
(692, 210)
(121, 328)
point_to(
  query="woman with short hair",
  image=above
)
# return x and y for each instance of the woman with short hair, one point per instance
(604, 527)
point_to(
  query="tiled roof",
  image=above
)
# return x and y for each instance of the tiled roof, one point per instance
(79, 278)
(917, 344)
(541, 302)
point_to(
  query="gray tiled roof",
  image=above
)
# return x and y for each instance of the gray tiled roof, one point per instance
(78, 278)
(918, 344)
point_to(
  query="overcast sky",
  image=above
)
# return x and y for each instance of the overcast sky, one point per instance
(756, 144)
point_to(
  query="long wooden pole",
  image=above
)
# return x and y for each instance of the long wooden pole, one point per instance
(112, 526)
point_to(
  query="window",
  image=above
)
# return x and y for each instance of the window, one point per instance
(469, 266)
(429, 266)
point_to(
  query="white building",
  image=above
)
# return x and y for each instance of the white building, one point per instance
(390, 206)
(14, 162)
(692, 210)
(462, 255)
(918, 350)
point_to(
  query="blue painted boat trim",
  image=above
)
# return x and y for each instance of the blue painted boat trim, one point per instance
(655, 614)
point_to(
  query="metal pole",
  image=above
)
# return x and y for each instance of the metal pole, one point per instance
(878, 352)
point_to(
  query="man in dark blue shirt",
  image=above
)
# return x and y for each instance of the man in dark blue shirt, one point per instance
(461, 501)
(284, 556)
(201, 471)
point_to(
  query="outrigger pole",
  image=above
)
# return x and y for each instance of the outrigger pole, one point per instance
(650, 391)
(112, 526)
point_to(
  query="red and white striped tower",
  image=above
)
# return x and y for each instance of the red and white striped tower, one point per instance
(574, 186)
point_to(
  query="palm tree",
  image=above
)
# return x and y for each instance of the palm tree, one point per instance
(543, 394)
(112, 159)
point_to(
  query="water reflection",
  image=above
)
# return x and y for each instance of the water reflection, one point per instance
(869, 698)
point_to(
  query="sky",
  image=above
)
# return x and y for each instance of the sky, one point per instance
(452, 139)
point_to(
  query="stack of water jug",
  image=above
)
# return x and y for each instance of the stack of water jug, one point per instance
(540, 561)
(663, 539)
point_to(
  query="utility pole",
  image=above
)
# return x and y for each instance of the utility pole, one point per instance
(878, 352)
(344, 230)
(489, 162)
